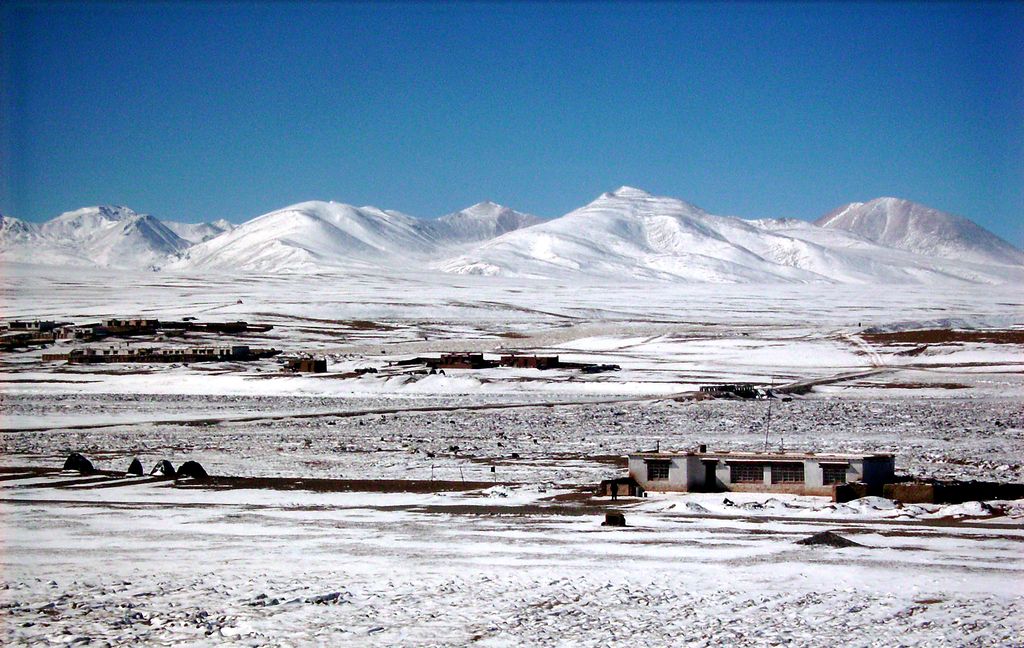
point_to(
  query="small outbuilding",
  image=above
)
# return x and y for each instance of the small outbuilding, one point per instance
(620, 487)
(307, 365)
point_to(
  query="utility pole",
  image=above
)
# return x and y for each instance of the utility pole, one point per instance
(768, 423)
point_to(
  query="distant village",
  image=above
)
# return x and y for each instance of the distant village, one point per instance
(27, 334)
(20, 334)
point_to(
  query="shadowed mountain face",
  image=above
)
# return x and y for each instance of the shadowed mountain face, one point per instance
(481, 222)
(625, 234)
(14, 231)
(199, 232)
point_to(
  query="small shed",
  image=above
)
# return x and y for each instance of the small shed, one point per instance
(306, 365)
(624, 487)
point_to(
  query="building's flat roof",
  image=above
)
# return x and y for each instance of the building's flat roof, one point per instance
(762, 456)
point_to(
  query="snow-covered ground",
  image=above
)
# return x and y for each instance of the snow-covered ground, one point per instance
(524, 562)
(162, 566)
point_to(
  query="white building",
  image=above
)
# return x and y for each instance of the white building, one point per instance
(804, 473)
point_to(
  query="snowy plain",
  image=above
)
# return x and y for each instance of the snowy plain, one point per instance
(525, 561)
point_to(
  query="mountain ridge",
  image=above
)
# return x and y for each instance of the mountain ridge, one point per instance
(199, 232)
(627, 232)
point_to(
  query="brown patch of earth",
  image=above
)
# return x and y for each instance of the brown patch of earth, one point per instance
(945, 336)
(899, 385)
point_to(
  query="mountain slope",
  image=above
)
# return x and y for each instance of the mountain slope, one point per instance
(313, 235)
(108, 236)
(309, 236)
(199, 232)
(909, 226)
(114, 236)
(630, 233)
(14, 231)
(481, 222)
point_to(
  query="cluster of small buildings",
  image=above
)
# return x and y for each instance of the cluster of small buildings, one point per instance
(19, 334)
(26, 333)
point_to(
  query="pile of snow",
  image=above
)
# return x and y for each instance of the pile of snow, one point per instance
(811, 507)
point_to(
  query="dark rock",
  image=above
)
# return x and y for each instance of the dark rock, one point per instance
(192, 469)
(614, 518)
(828, 539)
(163, 467)
(136, 468)
(78, 462)
(324, 599)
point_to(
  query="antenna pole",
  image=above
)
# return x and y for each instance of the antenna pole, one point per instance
(768, 423)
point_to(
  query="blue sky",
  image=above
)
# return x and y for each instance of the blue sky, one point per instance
(196, 111)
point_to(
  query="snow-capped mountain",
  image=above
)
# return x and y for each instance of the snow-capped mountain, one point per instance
(906, 225)
(14, 231)
(481, 222)
(107, 236)
(627, 233)
(314, 235)
(630, 233)
(199, 232)
(309, 236)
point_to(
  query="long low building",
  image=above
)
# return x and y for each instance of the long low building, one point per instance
(237, 353)
(803, 473)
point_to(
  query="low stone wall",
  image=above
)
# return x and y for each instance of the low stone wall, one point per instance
(938, 492)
